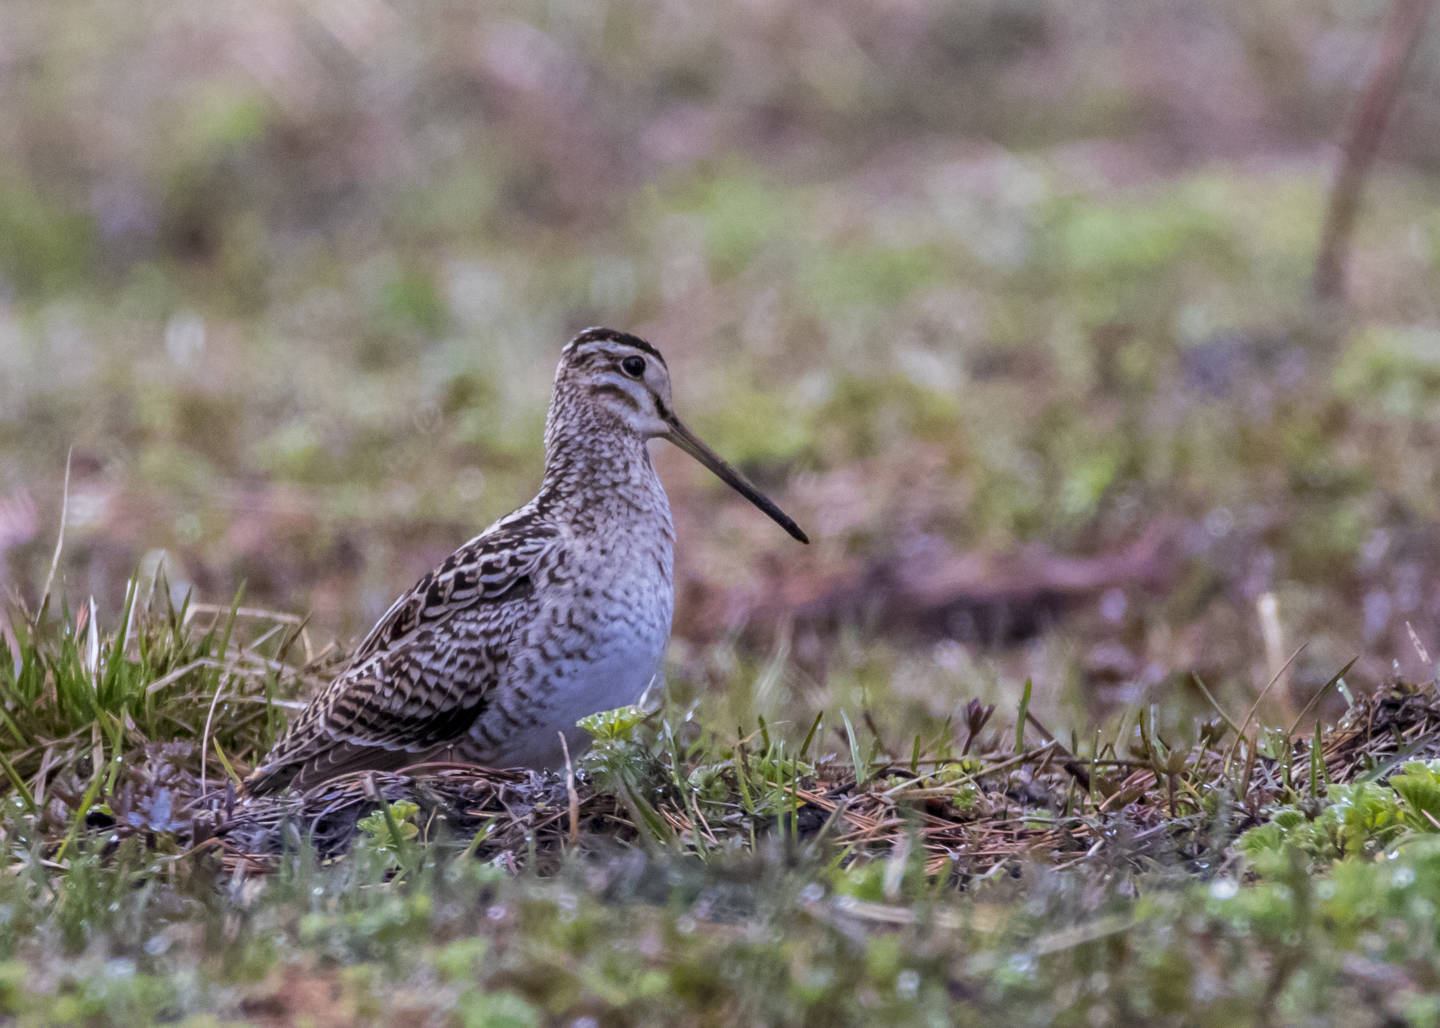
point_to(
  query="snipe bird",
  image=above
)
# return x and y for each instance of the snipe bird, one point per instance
(559, 610)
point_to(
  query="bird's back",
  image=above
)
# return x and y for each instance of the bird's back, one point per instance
(428, 668)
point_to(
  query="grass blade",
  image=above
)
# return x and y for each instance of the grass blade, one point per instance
(1020, 718)
(857, 759)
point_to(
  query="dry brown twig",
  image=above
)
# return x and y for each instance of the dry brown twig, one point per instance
(1399, 37)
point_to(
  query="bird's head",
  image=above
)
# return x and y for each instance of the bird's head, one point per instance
(623, 379)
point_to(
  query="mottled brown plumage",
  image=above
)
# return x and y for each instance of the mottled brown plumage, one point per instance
(559, 610)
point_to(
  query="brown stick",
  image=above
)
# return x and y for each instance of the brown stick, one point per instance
(1399, 37)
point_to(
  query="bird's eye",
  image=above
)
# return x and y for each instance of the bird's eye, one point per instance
(633, 366)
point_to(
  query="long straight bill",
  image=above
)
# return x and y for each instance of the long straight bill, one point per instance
(687, 441)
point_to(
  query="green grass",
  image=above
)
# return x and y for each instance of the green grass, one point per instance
(699, 881)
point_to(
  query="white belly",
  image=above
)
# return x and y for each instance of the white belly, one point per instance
(625, 666)
(589, 652)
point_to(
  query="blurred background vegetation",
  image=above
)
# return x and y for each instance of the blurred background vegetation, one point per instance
(1007, 301)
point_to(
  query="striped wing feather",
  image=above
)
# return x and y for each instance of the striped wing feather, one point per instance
(424, 672)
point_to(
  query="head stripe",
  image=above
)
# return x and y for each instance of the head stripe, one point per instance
(610, 335)
(619, 392)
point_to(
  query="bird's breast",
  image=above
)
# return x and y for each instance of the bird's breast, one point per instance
(621, 607)
(601, 628)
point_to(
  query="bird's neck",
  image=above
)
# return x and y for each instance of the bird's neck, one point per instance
(594, 470)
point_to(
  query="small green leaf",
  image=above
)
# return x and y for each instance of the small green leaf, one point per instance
(616, 725)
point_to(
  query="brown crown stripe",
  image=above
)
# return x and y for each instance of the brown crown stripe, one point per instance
(610, 335)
